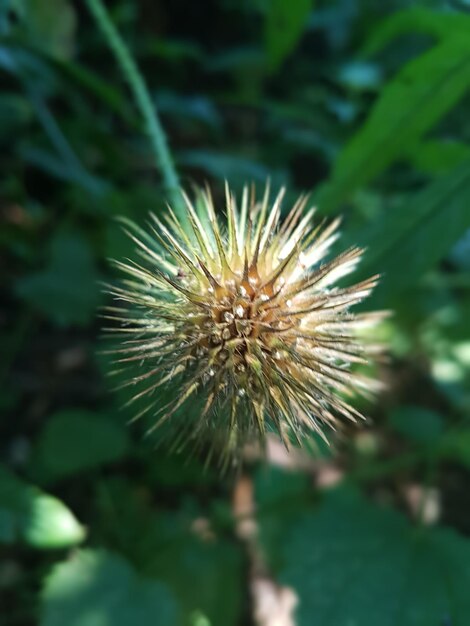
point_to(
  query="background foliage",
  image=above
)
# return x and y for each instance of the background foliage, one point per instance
(364, 103)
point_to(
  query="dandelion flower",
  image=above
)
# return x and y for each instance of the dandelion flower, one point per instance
(240, 318)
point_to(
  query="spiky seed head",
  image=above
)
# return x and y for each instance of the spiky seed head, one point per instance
(242, 318)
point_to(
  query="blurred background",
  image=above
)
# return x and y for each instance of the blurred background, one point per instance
(366, 105)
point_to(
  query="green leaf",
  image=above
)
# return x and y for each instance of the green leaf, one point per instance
(203, 572)
(67, 289)
(34, 517)
(417, 424)
(50, 26)
(284, 25)
(76, 440)
(437, 156)
(98, 588)
(204, 575)
(280, 497)
(456, 446)
(409, 106)
(352, 562)
(440, 24)
(411, 238)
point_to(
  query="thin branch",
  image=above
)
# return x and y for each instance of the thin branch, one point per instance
(144, 102)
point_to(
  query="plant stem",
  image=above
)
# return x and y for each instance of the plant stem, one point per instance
(141, 94)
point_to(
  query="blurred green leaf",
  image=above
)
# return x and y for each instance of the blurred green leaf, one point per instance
(38, 519)
(417, 424)
(414, 236)
(440, 24)
(49, 26)
(175, 470)
(284, 24)
(352, 562)
(280, 497)
(199, 619)
(97, 588)
(179, 547)
(67, 290)
(456, 446)
(437, 156)
(204, 574)
(410, 105)
(75, 440)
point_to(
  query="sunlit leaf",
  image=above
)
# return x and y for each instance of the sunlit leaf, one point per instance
(36, 518)
(98, 588)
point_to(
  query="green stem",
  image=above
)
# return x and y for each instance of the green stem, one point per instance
(141, 94)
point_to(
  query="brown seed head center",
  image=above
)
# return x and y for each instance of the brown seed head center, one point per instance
(240, 323)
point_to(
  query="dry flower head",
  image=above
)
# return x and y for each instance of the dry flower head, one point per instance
(242, 321)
